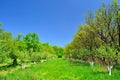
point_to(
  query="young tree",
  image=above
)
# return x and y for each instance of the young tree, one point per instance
(108, 53)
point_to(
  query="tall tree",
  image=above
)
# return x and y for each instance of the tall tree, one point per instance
(32, 42)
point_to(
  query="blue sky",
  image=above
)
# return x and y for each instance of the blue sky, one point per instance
(55, 21)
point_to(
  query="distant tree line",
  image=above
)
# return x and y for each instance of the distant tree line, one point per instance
(28, 48)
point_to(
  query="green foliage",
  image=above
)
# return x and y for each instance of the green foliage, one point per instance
(36, 56)
(32, 41)
(83, 53)
(109, 53)
(58, 51)
(0, 24)
(23, 56)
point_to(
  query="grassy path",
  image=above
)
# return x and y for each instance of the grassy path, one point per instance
(60, 69)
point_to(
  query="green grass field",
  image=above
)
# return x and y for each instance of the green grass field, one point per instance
(60, 69)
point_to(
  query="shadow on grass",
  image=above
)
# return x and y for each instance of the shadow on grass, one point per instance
(99, 72)
(7, 67)
(76, 63)
(117, 67)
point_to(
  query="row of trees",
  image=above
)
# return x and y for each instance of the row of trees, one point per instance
(25, 48)
(99, 39)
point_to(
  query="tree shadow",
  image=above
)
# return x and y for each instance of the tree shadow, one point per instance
(117, 67)
(79, 63)
(7, 67)
(99, 72)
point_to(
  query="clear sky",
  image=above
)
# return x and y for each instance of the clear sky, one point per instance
(55, 21)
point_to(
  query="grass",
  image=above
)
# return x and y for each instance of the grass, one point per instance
(60, 69)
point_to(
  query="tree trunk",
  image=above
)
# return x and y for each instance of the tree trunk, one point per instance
(23, 66)
(34, 62)
(91, 63)
(15, 62)
(109, 69)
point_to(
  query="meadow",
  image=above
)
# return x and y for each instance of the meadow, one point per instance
(59, 69)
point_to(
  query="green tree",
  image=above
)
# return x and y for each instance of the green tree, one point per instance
(14, 51)
(109, 54)
(58, 51)
(32, 43)
(4, 50)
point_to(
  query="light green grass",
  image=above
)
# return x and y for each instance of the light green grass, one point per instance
(60, 69)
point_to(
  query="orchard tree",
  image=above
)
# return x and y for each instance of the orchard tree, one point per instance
(107, 24)
(14, 51)
(47, 51)
(108, 53)
(4, 50)
(69, 51)
(23, 53)
(32, 42)
(86, 38)
(58, 51)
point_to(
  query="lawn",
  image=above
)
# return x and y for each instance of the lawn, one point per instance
(60, 69)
